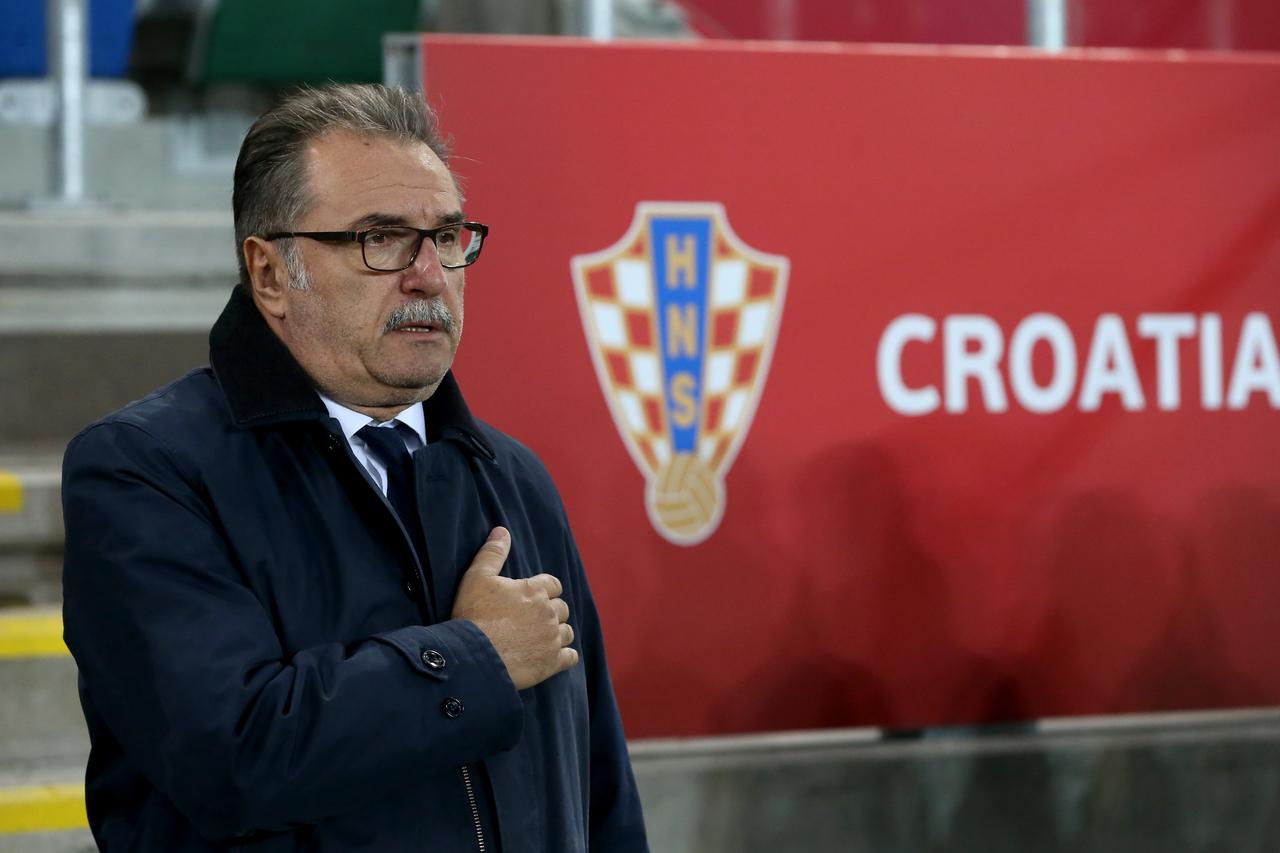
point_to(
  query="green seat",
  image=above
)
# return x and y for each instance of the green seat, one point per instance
(288, 42)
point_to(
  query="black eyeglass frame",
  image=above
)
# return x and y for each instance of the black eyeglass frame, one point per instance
(423, 235)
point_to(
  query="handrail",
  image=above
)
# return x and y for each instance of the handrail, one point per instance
(68, 55)
(599, 19)
(1047, 24)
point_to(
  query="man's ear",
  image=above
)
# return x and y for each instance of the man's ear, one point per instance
(268, 275)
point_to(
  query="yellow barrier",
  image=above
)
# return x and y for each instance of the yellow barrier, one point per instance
(10, 492)
(42, 808)
(33, 632)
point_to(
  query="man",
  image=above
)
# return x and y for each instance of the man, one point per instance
(315, 604)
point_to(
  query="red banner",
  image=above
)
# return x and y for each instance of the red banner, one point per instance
(893, 387)
(1199, 24)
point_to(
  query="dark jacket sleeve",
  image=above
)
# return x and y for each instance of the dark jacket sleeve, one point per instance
(181, 660)
(616, 822)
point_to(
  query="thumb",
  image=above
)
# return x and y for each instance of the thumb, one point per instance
(493, 554)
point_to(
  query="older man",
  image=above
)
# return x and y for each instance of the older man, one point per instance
(316, 605)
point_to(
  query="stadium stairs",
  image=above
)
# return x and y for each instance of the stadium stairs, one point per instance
(97, 306)
(100, 305)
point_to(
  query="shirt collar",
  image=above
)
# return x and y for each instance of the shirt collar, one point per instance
(353, 421)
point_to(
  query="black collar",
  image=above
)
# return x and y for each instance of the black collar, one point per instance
(265, 385)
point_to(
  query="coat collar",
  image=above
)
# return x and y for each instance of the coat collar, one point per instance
(265, 385)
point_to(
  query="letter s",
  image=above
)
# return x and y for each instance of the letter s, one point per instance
(683, 386)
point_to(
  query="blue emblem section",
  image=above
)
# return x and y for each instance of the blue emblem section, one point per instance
(681, 252)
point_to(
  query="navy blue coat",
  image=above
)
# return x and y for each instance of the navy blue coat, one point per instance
(252, 629)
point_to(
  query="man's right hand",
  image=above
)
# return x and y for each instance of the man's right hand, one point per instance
(525, 618)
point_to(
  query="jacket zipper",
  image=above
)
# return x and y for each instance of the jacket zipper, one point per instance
(475, 810)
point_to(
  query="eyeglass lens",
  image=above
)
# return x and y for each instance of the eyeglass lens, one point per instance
(390, 249)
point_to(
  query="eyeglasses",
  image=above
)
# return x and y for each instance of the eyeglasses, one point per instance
(395, 248)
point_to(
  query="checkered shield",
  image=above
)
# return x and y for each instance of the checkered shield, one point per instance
(681, 317)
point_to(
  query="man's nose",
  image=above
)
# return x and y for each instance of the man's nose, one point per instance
(425, 275)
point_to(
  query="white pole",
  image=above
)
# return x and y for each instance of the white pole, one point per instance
(65, 21)
(1221, 25)
(783, 20)
(1047, 24)
(600, 19)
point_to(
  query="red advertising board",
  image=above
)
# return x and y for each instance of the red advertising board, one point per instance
(1203, 24)
(889, 387)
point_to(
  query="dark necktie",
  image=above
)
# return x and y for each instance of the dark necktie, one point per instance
(386, 445)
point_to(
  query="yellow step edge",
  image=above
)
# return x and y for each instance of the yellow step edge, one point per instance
(10, 492)
(31, 632)
(42, 808)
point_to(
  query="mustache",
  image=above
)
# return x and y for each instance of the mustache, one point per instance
(424, 312)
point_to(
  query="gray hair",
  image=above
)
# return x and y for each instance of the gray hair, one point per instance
(270, 190)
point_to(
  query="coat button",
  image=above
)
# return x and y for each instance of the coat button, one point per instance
(452, 707)
(411, 587)
(433, 659)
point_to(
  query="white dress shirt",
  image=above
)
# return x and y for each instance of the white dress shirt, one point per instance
(353, 421)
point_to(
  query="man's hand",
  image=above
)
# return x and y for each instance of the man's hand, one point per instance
(526, 619)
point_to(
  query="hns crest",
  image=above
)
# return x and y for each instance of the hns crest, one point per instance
(681, 318)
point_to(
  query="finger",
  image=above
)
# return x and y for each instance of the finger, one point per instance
(566, 634)
(491, 556)
(568, 659)
(548, 583)
(561, 608)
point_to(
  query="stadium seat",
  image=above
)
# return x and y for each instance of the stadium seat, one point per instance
(24, 45)
(296, 41)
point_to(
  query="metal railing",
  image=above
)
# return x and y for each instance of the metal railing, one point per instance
(68, 64)
(1047, 24)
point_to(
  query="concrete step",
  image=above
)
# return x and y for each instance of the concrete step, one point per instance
(98, 308)
(63, 841)
(42, 808)
(30, 488)
(105, 247)
(55, 384)
(30, 525)
(73, 841)
(170, 163)
(40, 717)
(81, 312)
(1158, 783)
(56, 381)
(43, 741)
